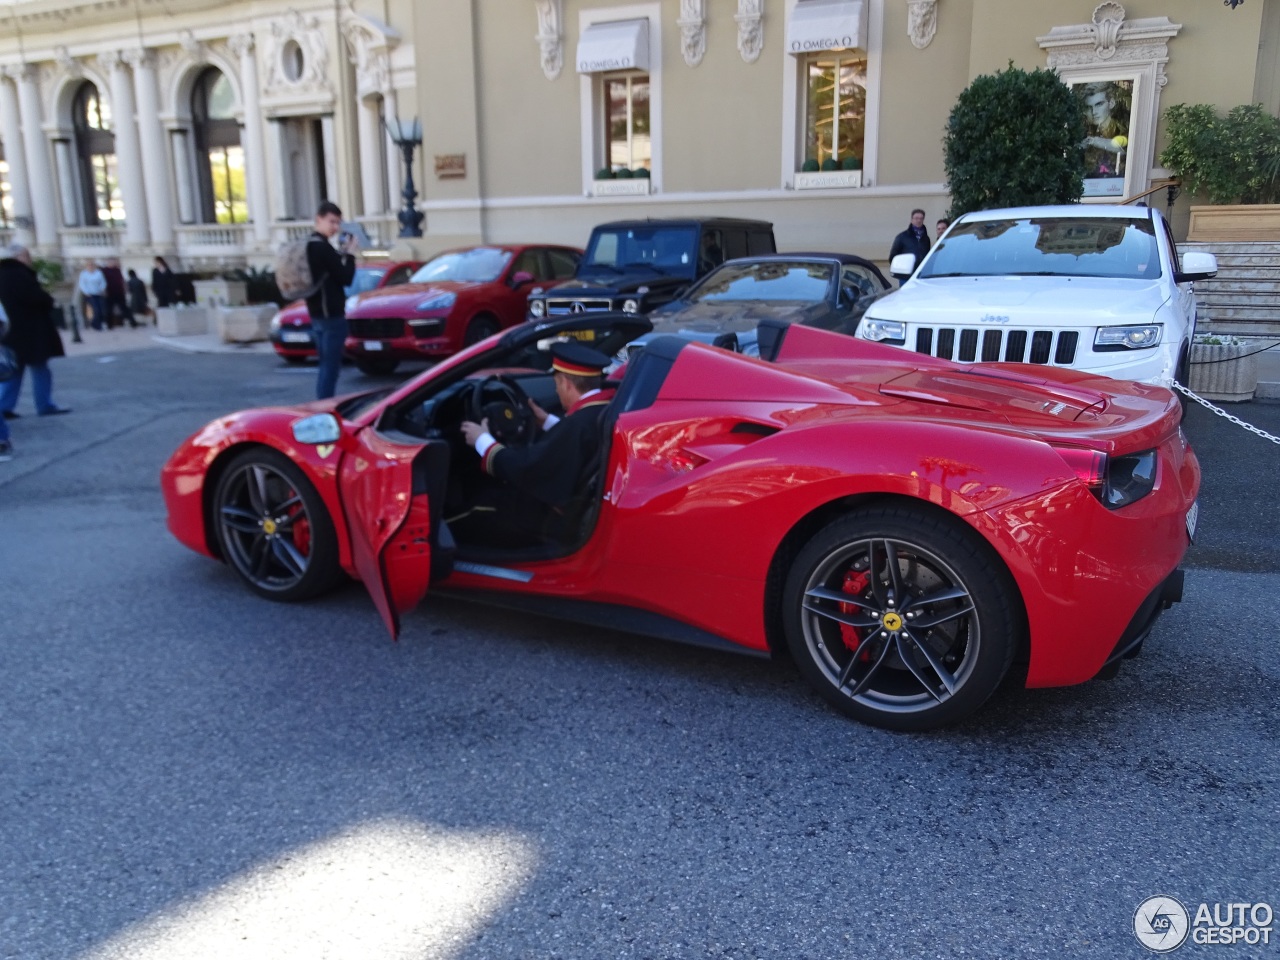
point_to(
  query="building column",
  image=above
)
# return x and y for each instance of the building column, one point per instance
(394, 161)
(371, 169)
(64, 162)
(255, 154)
(39, 181)
(128, 152)
(275, 146)
(332, 188)
(11, 134)
(179, 140)
(158, 182)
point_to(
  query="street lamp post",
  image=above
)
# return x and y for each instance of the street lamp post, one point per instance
(408, 137)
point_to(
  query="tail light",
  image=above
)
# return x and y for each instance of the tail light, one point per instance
(1115, 481)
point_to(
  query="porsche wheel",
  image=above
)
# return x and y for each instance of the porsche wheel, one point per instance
(273, 527)
(377, 366)
(480, 328)
(900, 618)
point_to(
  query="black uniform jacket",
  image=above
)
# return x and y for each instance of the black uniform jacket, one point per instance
(334, 271)
(32, 334)
(552, 468)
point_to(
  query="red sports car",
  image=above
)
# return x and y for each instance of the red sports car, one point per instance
(291, 327)
(451, 302)
(907, 526)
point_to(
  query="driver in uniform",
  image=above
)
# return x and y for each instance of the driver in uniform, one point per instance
(538, 481)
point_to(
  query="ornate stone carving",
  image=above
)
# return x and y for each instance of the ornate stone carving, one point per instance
(750, 29)
(922, 22)
(1107, 19)
(693, 30)
(240, 43)
(300, 38)
(550, 36)
(67, 63)
(369, 46)
(189, 43)
(139, 57)
(110, 60)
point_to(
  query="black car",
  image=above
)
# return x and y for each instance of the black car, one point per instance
(634, 266)
(828, 290)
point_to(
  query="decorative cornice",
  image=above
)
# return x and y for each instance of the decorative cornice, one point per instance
(1111, 39)
(110, 60)
(187, 40)
(550, 36)
(139, 57)
(693, 30)
(922, 22)
(240, 44)
(750, 29)
(369, 44)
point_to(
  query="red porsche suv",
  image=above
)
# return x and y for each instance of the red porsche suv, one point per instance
(451, 302)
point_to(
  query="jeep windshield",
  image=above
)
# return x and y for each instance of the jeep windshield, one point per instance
(477, 265)
(1047, 247)
(667, 250)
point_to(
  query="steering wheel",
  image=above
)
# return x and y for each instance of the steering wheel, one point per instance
(503, 401)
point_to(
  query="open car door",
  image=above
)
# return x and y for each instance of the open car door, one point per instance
(391, 496)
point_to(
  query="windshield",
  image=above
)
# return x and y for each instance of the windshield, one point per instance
(477, 265)
(663, 249)
(366, 278)
(1049, 246)
(773, 280)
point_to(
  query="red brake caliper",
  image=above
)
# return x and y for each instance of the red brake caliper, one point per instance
(855, 583)
(301, 529)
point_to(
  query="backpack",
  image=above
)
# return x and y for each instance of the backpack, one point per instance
(293, 271)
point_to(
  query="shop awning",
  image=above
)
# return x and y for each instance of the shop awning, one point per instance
(826, 25)
(617, 45)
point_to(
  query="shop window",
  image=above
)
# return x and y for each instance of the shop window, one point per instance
(835, 108)
(627, 143)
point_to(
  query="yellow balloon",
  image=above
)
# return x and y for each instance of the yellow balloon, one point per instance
(1121, 141)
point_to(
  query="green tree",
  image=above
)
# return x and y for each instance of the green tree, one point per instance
(1014, 139)
(1235, 159)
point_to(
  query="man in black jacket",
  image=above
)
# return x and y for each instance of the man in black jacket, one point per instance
(913, 240)
(539, 483)
(333, 270)
(32, 335)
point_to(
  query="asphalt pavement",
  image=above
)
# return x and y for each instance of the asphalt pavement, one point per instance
(189, 771)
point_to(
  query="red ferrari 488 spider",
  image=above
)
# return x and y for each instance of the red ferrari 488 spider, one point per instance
(908, 527)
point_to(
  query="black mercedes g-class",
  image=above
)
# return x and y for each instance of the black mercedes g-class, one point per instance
(636, 265)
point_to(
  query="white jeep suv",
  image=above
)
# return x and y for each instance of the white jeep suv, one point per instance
(1091, 287)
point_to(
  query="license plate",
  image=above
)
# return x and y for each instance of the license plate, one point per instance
(581, 334)
(1193, 517)
(295, 337)
(373, 345)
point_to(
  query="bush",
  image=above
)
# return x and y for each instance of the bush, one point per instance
(50, 272)
(259, 285)
(641, 173)
(1014, 139)
(622, 173)
(604, 173)
(809, 166)
(1232, 159)
(830, 164)
(851, 163)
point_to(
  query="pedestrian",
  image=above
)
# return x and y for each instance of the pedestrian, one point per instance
(117, 296)
(332, 270)
(6, 446)
(137, 295)
(33, 336)
(93, 288)
(913, 240)
(164, 284)
(940, 227)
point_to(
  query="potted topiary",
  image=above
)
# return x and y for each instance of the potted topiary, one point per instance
(851, 163)
(1223, 368)
(831, 163)
(641, 173)
(809, 166)
(622, 173)
(604, 173)
(1234, 162)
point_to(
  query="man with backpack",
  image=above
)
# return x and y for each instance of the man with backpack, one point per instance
(320, 276)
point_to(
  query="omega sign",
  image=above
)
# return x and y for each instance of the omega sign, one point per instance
(828, 43)
(606, 63)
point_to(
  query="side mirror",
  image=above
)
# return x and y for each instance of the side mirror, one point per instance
(903, 265)
(317, 429)
(521, 277)
(1196, 266)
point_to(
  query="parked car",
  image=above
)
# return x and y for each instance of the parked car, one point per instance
(1090, 287)
(906, 526)
(291, 327)
(452, 301)
(827, 290)
(634, 266)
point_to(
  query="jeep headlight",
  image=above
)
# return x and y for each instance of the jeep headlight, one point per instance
(631, 306)
(1132, 338)
(873, 329)
(441, 301)
(537, 308)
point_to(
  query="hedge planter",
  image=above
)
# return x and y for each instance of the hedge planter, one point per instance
(1224, 371)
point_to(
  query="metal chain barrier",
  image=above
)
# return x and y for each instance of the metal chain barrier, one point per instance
(1222, 413)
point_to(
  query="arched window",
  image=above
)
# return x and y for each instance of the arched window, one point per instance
(219, 157)
(96, 155)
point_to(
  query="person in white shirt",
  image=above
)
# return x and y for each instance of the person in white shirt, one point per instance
(93, 287)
